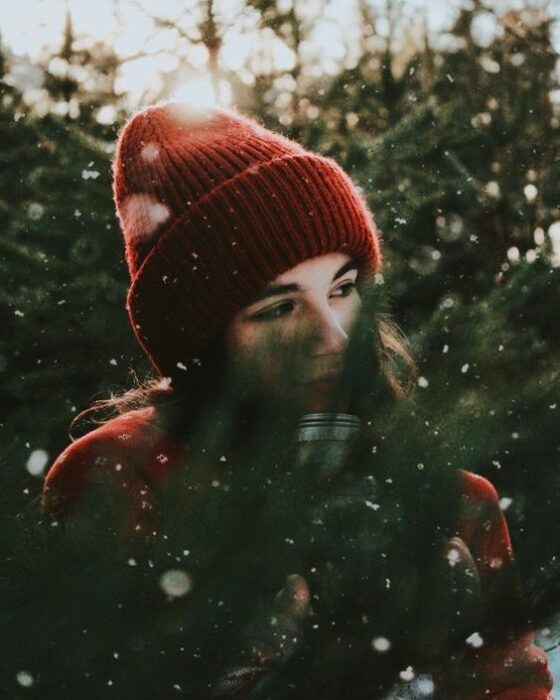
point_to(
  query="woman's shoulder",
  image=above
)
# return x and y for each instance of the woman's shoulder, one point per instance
(477, 488)
(124, 432)
(482, 524)
(129, 446)
(479, 500)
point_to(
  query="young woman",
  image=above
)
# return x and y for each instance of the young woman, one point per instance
(242, 244)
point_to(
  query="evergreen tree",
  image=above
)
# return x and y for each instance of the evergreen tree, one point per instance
(63, 285)
(472, 176)
(80, 81)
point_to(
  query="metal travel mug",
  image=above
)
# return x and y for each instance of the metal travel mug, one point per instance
(324, 440)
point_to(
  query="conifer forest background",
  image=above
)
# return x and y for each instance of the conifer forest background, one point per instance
(454, 139)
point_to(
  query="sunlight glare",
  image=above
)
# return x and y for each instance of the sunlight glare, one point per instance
(198, 92)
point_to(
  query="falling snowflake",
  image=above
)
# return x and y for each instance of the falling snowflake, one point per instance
(531, 255)
(513, 254)
(493, 189)
(407, 675)
(475, 640)
(425, 687)
(505, 502)
(530, 192)
(25, 679)
(554, 235)
(37, 462)
(453, 556)
(481, 119)
(381, 644)
(35, 211)
(164, 383)
(175, 583)
(489, 65)
(539, 235)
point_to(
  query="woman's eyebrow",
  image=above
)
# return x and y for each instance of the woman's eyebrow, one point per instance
(350, 265)
(277, 289)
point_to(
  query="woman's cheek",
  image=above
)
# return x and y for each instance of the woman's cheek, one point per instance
(350, 313)
(262, 353)
(271, 353)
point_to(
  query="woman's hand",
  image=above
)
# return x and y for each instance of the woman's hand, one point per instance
(451, 603)
(290, 608)
(280, 638)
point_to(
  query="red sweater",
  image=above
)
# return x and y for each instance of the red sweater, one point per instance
(140, 455)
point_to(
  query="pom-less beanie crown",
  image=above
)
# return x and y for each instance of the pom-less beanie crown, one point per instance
(212, 209)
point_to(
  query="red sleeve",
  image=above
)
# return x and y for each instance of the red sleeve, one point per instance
(513, 668)
(122, 460)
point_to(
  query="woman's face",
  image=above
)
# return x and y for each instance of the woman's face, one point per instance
(309, 309)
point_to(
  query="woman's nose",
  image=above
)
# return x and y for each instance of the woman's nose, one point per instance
(329, 336)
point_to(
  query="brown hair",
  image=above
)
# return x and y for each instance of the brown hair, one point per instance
(203, 383)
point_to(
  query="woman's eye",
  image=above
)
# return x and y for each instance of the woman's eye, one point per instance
(274, 312)
(345, 289)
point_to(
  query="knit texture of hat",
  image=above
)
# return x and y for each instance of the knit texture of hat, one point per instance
(213, 208)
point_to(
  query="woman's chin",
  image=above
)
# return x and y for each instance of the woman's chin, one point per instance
(318, 398)
(310, 397)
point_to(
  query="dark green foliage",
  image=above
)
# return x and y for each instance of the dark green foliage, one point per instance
(367, 544)
(63, 283)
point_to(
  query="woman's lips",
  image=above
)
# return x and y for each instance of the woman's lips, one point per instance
(323, 379)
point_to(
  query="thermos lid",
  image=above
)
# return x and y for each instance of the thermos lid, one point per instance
(327, 426)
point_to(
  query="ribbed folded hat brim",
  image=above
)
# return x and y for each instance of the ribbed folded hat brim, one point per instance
(235, 240)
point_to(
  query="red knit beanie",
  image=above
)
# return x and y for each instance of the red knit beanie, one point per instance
(213, 207)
